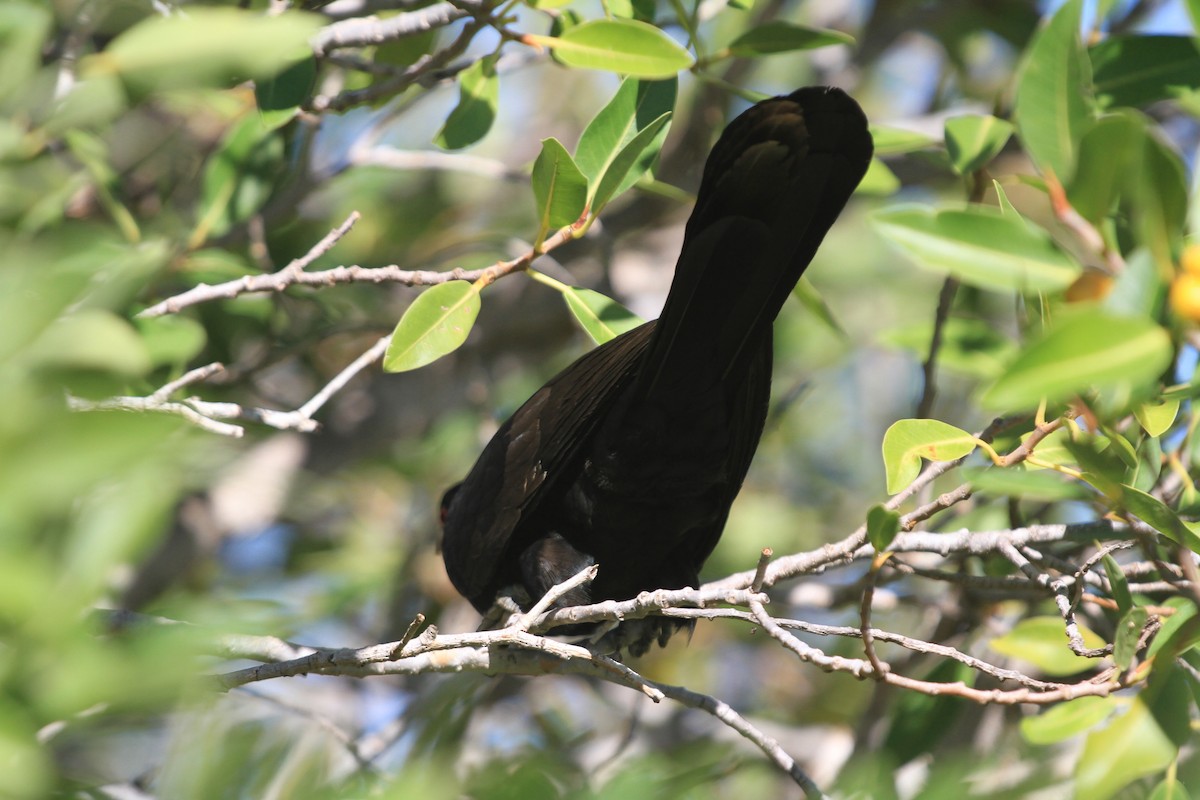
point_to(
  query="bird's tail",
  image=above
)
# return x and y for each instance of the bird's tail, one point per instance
(773, 185)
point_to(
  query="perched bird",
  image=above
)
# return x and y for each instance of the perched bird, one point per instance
(630, 457)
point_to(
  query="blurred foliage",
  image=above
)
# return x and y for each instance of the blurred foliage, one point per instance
(146, 148)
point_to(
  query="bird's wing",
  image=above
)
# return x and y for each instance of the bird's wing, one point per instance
(514, 472)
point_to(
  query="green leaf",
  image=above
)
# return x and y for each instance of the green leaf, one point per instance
(1042, 641)
(897, 141)
(784, 37)
(1131, 746)
(1129, 630)
(1110, 151)
(1159, 516)
(471, 119)
(978, 246)
(1006, 206)
(812, 300)
(602, 318)
(559, 188)
(625, 46)
(1157, 418)
(1055, 448)
(435, 324)
(918, 722)
(1089, 350)
(238, 178)
(91, 339)
(970, 346)
(172, 340)
(406, 51)
(1139, 70)
(1120, 586)
(1047, 486)
(205, 47)
(636, 105)
(1169, 697)
(624, 166)
(1139, 289)
(879, 180)
(281, 96)
(1170, 789)
(972, 141)
(907, 441)
(1160, 201)
(289, 88)
(1067, 720)
(1179, 632)
(882, 526)
(1053, 103)
(23, 29)
(1121, 447)
(1149, 464)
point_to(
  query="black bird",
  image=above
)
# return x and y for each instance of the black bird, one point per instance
(630, 457)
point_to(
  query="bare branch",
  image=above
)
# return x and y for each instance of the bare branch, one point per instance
(294, 275)
(276, 281)
(364, 31)
(1062, 599)
(725, 713)
(207, 415)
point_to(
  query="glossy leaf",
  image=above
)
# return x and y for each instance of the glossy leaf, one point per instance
(624, 168)
(437, 323)
(907, 441)
(1042, 641)
(1110, 150)
(624, 46)
(879, 180)
(784, 37)
(289, 89)
(974, 140)
(601, 317)
(1178, 633)
(1129, 630)
(206, 47)
(1089, 350)
(1149, 464)
(173, 339)
(978, 246)
(897, 141)
(1053, 101)
(1159, 516)
(471, 119)
(1119, 584)
(405, 51)
(23, 28)
(969, 345)
(1129, 747)
(920, 721)
(636, 105)
(882, 526)
(91, 339)
(1170, 789)
(812, 300)
(1067, 720)
(1137, 70)
(1160, 200)
(238, 178)
(1157, 418)
(1026, 484)
(559, 188)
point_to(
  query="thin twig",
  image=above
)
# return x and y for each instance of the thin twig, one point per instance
(929, 368)
(1062, 598)
(291, 276)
